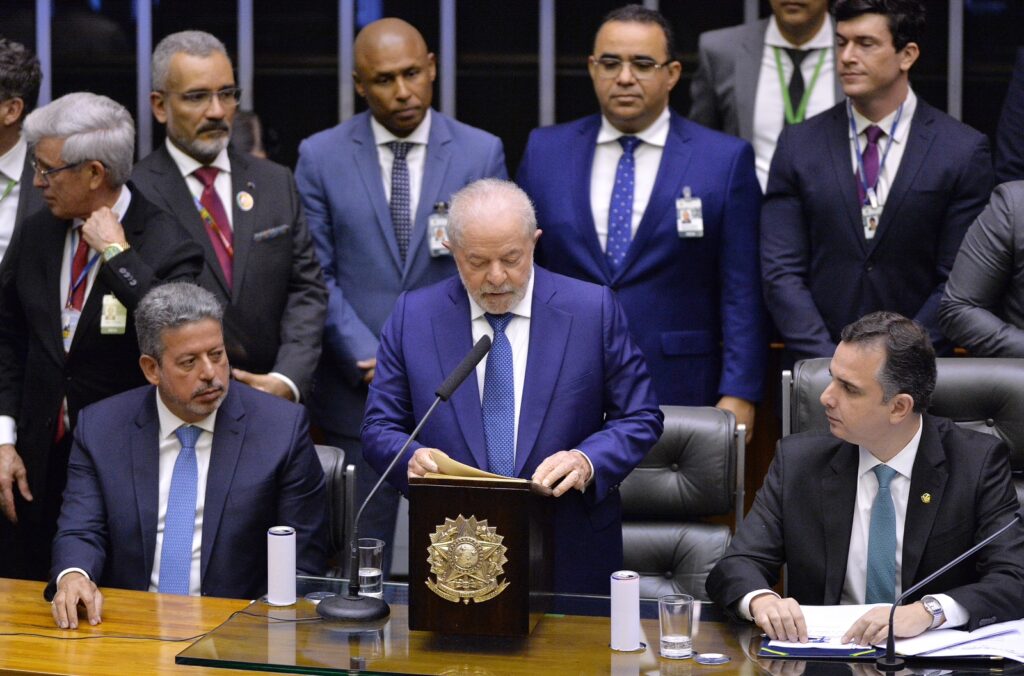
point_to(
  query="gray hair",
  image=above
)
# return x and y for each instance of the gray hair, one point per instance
(169, 306)
(481, 199)
(193, 43)
(93, 128)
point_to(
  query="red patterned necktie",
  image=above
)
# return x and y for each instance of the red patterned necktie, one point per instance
(219, 230)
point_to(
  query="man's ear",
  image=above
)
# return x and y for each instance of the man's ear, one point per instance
(150, 369)
(900, 407)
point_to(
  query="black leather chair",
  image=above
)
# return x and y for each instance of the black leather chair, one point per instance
(340, 481)
(689, 474)
(986, 395)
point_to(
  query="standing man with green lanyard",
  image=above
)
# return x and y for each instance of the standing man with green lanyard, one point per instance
(756, 78)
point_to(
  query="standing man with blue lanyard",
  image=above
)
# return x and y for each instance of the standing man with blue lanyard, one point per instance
(867, 202)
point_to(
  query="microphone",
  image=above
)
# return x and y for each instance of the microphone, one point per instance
(361, 610)
(890, 662)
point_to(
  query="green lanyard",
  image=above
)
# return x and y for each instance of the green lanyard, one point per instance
(7, 191)
(798, 116)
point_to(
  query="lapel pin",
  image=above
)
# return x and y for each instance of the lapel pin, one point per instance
(245, 201)
(926, 498)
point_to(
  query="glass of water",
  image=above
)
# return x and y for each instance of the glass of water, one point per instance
(371, 560)
(675, 612)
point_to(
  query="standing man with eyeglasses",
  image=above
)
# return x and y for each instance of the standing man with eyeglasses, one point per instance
(663, 211)
(244, 211)
(66, 334)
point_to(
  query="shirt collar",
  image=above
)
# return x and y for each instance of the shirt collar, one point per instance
(656, 134)
(170, 422)
(13, 161)
(909, 106)
(187, 164)
(903, 462)
(120, 208)
(420, 135)
(823, 39)
(522, 309)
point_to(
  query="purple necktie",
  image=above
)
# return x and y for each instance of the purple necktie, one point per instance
(870, 159)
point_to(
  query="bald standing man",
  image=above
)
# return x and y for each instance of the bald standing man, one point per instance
(370, 187)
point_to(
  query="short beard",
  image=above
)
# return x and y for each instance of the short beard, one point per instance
(498, 307)
(201, 150)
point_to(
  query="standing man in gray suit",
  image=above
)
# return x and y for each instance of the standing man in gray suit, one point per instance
(375, 189)
(746, 84)
(244, 211)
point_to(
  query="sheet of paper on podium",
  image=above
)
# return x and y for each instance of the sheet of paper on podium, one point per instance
(447, 468)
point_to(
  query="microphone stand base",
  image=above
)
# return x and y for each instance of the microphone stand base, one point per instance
(889, 664)
(355, 611)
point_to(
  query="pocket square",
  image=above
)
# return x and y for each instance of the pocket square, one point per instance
(271, 233)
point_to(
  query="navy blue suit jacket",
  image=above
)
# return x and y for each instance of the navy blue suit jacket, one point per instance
(263, 472)
(586, 388)
(342, 191)
(820, 273)
(694, 305)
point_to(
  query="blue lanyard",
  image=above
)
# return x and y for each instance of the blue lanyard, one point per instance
(870, 190)
(85, 272)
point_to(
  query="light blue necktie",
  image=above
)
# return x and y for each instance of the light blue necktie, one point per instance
(180, 522)
(499, 407)
(400, 199)
(881, 577)
(620, 212)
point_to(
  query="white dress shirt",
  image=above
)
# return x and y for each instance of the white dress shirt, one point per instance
(647, 156)
(415, 158)
(769, 108)
(11, 165)
(169, 449)
(887, 171)
(222, 186)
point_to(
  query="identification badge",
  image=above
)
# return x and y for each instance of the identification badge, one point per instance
(68, 323)
(689, 215)
(437, 227)
(870, 216)
(114, 318)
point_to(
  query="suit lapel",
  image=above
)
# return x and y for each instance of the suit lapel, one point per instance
(839, 497)
(929, 477)
(51, 251)
(368, 163)
(748, 70)
(549, 335)
(581, 154)
(838, 142)
(242, 221)
(30, 198)
(435, 168)
(453, 338)
(144, 451)
(227, 446)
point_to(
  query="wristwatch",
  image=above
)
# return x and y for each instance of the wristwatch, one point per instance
(935, 608)
(113, 250)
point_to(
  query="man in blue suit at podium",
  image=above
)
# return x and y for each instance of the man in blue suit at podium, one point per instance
(563, 398)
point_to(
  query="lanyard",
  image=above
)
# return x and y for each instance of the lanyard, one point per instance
(870, 194)
(801, 111)
(204, 214)
(85, 271)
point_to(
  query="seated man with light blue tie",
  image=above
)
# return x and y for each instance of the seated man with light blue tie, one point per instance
(887, 498)
(172, 487)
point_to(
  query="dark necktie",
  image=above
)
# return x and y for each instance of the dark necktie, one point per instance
(620, 212)
(881, 575)
(499, 403)
(870, 158)
(180, 519)
(219, 229)
(796, 80)
(400, 199)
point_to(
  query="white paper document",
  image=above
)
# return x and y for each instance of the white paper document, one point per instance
(827, 624)
(1005, 639)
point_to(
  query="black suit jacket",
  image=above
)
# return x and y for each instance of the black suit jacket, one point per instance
(803, 514)
(274, 313)
(35, 374)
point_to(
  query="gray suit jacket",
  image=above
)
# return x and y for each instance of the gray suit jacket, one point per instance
(274, 312)
(724, 87)
(983, 307)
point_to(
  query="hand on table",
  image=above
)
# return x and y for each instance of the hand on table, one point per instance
(572, 465)
(781, 619)
(72, 590)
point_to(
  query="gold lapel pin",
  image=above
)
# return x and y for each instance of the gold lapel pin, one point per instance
(926, 498)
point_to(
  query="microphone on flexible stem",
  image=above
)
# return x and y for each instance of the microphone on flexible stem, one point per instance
(362, 610)
(890, 662)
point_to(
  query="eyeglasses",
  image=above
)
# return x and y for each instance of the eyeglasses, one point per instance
(642, 69)
(46, 173)
(228, 97)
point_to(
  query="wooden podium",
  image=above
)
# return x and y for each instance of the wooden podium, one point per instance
(480, 553)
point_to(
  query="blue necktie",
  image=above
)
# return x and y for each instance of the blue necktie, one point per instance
(499, 407)
(881, 578)
(180, 522)
(620, 213)
(400, 200)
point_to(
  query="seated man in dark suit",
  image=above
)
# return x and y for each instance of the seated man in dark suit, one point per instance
(197, 469)
(890, 496)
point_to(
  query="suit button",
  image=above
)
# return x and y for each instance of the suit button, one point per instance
(990, 423)
(668, 574)
(869, 267)
(674, 467)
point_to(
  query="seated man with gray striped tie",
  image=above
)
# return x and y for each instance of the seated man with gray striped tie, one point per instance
(172, 486)
(888, 497)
